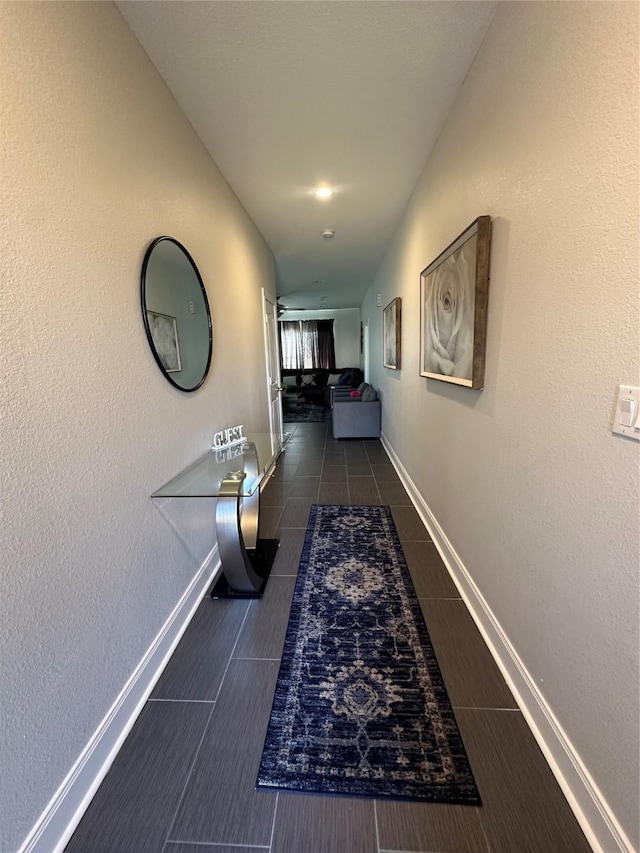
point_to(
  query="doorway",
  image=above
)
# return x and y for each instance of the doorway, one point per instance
(269, 312)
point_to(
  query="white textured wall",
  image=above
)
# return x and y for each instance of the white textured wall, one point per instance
(346, 331)
(97, 160)
(538, 498)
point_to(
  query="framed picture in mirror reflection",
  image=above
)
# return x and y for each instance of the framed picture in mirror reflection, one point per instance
(164, 332)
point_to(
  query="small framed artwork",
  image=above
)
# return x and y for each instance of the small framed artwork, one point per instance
(391, 333)
(454, 292)
(164, 333)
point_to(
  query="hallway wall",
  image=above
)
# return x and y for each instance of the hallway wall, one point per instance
(536, 496)
(97, 160)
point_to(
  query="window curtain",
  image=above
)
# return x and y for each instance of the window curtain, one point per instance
(326, 345)
(307, 344)
(290, 345)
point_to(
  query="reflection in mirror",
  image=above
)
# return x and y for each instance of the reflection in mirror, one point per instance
(176, 314)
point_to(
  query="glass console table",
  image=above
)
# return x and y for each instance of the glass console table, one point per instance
(233, 475)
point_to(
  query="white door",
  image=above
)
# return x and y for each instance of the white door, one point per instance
(273, 364)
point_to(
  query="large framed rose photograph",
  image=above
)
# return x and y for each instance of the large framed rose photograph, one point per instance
(391, 333)
(454, 292)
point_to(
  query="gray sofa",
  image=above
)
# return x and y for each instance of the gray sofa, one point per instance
(355, 417)
(315, 386)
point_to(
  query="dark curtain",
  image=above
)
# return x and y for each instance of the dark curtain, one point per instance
(326, 345)
(307, 345)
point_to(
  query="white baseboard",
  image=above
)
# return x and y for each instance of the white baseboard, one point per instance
(60, 818)
(596, 818)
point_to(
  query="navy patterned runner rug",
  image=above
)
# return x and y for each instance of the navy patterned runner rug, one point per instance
(360, 706)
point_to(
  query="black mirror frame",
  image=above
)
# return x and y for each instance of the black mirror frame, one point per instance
(143, 303)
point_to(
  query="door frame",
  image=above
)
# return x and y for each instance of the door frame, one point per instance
(270, 308)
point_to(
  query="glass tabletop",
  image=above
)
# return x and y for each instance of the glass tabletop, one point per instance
(253, 457)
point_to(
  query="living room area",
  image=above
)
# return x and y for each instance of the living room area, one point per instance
(322, 360)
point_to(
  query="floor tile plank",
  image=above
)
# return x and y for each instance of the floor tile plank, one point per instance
(308, 824)
(359, 469)
(287, 559)
(430, 576)
(196, 668)
(471, 675)
(429, 827)
(363, 490)
(264, 629)
(334, 474)
(394, 494)
(274, 494)
(333, 493)
(304, 487)
(221, 795)
(284, 473)
(385, 473)
(135, 804)
(296, 512)
(523, 808)
(269, 520)
(310, 468)
(409, 524)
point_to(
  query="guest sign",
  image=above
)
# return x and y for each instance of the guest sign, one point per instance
(227, 437)
(229, 444)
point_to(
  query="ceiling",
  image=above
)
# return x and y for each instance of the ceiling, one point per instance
(291, 94)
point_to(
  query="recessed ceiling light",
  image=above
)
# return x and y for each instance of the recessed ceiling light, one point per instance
(328, 234)
(324, 192)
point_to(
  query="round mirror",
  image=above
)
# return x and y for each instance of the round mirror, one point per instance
(176, 314)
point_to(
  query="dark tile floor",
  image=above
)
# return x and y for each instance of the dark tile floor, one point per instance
(184, 779)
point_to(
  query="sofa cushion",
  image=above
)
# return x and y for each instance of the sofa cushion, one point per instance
(369, 394)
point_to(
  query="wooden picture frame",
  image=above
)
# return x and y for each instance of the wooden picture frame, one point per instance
(392, 334)
(454, 292)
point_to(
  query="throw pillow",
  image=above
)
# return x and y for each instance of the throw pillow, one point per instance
(345, 378)
(333, 379)
(362, 386)
(308, 379)
(355, 393)
(369, 394)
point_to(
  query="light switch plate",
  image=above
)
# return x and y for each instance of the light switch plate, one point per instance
(627, 393)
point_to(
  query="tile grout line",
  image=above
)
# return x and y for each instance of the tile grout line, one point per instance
(226, 669)
(487, 708)
(482, 829)
(188, 778)
(212, 845)
(273, 824)
(437, 598)
(266, 660)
